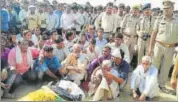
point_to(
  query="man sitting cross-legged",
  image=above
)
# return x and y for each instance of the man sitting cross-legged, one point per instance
(74, 66)
(144, 81)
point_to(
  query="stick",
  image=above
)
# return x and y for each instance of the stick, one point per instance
(102, 72)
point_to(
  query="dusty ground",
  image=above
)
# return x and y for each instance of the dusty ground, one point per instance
(124, 96)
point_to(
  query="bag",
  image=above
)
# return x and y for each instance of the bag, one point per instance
(65, 94)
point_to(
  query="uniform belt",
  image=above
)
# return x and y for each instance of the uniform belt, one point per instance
(167, 45)
(131, 36)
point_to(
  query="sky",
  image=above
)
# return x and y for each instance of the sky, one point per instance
(155, 3)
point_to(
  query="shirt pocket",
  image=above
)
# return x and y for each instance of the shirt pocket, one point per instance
(175, 27)
(129, 23)
(162, 28)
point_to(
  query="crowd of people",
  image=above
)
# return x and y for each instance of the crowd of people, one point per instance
(95, 47)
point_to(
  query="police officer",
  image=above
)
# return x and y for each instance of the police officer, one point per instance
(144, 29)
(164, 35)
(128, 27)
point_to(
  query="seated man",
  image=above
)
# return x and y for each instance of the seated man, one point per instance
(53, 34)
(118, 44)
(106, 55)
(48, 64)
(120, 65)
(69, 42)
(60, 51)
(144, 81)
(20, 60)
(5, 87)
(104, 82)
(75, 65)
(92, 51)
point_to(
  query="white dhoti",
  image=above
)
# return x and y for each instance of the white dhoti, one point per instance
(137, 82)
(76, 77)
(113, 91)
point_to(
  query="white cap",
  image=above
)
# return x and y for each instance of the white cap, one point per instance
(147, 58)
(31, 6)
(116, 53)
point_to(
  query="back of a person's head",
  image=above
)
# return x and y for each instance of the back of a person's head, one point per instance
(47, 33)
(44, 37)
(119, 35)
(59, 39)
(93, 41)
(53, 31)
(68, 34)
(48, 48)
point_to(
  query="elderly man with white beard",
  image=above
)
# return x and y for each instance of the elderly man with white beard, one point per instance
(75, 65)
(144, 83)
(104, 82)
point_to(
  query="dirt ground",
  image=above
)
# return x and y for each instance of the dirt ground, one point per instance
(124, 96)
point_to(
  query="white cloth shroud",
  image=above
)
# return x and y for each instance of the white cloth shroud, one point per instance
(73, 87)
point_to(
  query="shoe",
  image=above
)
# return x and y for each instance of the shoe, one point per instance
(165, 90)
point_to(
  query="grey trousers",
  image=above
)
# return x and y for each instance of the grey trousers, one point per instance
(16, 79)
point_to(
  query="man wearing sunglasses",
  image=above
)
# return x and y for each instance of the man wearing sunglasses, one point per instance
(144, 83)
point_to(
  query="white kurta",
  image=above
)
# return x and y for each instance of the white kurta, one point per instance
(35, 39)
(91, 55)
(67, 21)
(79, 19)
(117, 22)
(107, 22)
(113, 90)
(51, 21)
(22, 16)
(81, 64)
(61, 54)
(147, 83)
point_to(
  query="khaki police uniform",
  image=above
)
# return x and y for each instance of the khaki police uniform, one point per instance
(164, 45)
(128, 25)
(144, 27)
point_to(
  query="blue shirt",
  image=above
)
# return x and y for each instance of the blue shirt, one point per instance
(4, 20)
(59, 14)
(50, 63)
(100, 44)
(123, 69)
(13, 19)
